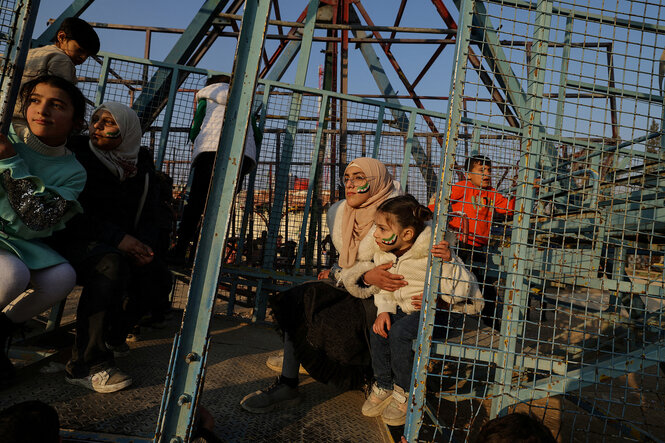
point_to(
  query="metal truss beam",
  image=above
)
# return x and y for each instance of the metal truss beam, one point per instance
(74, 10)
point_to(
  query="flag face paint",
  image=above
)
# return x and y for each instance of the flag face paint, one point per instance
(363, 189)
(390, 240)
(115, 134)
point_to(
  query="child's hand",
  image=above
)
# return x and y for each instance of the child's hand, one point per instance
(380, 277)
(417, 301)
(324, 274)
(6, 148)
(382, 324)
(442, 251)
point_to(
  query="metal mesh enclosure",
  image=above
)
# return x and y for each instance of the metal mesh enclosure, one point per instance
(577, 268)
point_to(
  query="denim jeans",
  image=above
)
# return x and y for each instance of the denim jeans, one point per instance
(392, 357)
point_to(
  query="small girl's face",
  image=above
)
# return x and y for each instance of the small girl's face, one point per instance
(389, 236)
(50, 114)
(104, 131)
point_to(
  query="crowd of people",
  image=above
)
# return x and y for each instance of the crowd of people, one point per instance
(81, 209)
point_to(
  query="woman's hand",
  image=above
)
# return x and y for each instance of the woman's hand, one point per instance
(380, 277)
(382, 324)
(140, 253)
(417, 301)
(442, 251)
(6, 148)
(323, 274)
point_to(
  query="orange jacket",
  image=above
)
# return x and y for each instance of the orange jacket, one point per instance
(478, 205)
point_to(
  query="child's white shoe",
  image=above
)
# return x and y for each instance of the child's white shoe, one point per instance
(395, 413)
(377, 401)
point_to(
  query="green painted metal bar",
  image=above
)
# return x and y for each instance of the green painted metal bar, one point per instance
(516, 296)
(168, 116)
(13, 62)
(313, 173)
(103, 80)
(623, 93)
(379, 130)
(563, 76)
(417, 394)
(287, 152)
(74, 10)
(408, 146)
(185, 379)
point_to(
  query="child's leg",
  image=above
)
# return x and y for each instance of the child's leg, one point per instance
(401, 336)
(50, 285)
(290, 364)
(14, 277)
(380, 350)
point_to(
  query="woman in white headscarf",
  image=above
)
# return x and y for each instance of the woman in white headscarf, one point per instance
(113, 245)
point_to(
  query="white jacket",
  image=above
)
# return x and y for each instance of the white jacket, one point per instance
(216, 96)
(458, 286)
(349, 276)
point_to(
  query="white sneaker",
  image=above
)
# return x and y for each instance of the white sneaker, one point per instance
(395, 413)
(377, 401)
(276, 396)
(276, 361)
(106, 381)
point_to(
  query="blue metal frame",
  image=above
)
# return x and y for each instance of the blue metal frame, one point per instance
(187, 371)
(417, 395)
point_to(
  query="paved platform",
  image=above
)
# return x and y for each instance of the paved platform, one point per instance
(236, 367)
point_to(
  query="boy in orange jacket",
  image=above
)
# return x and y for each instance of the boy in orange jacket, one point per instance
(478, 200)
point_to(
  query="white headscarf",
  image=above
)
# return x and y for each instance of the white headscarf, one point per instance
(122, 160)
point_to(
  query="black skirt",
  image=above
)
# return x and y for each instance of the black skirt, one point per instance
(330, 330)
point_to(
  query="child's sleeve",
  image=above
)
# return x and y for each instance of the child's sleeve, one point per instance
(385, 302)
(459, 288)
(35, 210)
(503, 204)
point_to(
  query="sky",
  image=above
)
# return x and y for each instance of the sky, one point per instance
(178, 14)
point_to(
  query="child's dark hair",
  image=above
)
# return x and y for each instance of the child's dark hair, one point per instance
(406, 211)
(515, 428)
(74, 93)
(82, 33)
(218, 78)
(475, 160)
(30, 421)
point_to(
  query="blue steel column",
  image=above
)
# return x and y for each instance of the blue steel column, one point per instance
(377, 134)
(13, 60)
(185, 379)
(417, 396)
(168, 115)
(404, 175)
(517, 292)
(282, 176)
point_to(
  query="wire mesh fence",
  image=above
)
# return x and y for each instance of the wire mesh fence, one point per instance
(576, 269)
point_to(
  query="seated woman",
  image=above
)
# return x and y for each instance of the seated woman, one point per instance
(326, 323)
(111, 246)
(39, 183)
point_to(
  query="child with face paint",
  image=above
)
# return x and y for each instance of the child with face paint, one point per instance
(402, 239)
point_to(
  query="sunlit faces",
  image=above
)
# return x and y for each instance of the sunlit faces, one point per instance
(74, 51)
(357, 186)
(480, 175)
(104, 131)
(390, 237)
(50, 114)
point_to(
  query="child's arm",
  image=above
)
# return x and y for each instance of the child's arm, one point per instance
(503, 204)
(382, 324)
(459, 288)
(36, 207)
(385, 305)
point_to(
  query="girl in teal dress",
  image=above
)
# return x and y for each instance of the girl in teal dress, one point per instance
(40, 180)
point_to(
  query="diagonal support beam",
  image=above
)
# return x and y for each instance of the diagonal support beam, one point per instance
(74, 10)
(381, 79)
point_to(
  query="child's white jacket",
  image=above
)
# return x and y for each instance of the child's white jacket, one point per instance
(458, 286)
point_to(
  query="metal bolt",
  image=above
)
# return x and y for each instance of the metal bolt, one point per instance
(191, 357)
(184, 398)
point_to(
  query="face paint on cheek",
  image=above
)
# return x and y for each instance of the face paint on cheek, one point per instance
(115, 134)
(390, 240)
(363, 189)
